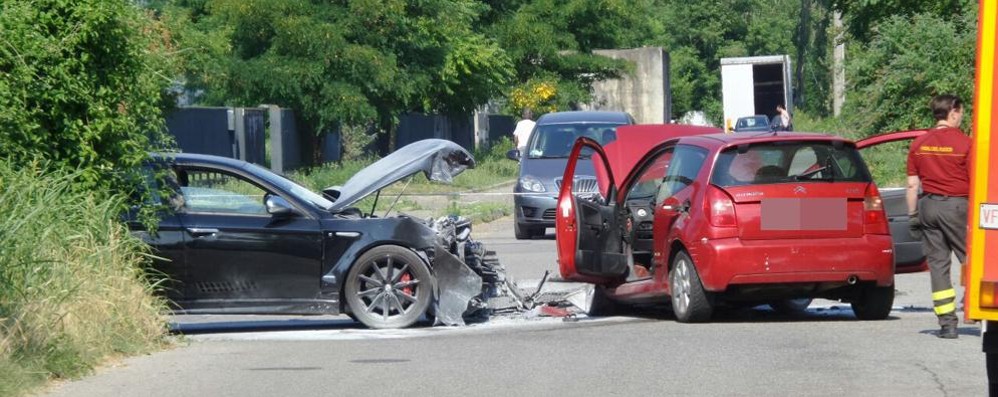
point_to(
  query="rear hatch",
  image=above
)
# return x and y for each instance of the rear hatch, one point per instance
(795, 189)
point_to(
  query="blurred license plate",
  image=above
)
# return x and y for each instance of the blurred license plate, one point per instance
(804, 214)
(989, 216)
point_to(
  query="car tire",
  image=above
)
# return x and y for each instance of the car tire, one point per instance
(874, 303)
(791, 306)
(602, 305)
(691, 303)
(524, 232)
(399, 306)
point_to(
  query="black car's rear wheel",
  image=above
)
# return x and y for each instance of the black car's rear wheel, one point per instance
(388, 287)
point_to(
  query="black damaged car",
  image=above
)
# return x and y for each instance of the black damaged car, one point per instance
(238, 238)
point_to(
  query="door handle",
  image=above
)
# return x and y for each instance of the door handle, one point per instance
(201, 232)
(682, 208)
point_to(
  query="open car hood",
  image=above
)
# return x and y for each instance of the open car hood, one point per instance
(440, 160)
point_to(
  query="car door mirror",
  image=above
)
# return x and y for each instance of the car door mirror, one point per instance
(278, 206)
(513, 154)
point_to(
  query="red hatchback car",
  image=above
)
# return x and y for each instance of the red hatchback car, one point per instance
(705, 218)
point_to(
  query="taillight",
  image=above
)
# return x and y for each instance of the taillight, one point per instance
(988, 295)
(720, 208)
(874, 218)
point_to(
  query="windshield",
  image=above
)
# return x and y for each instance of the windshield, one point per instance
(789, 161)
(555, 140)
(299, 191)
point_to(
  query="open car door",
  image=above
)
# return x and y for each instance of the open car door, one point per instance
(908, 254)
(587, 226)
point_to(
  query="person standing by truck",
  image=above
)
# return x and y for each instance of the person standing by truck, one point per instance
(938, 164)
(781, 122)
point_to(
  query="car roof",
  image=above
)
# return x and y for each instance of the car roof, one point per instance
(724, 140)
(586, 116)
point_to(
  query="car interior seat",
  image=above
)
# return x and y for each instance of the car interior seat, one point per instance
(770, 174)
(608, 136)
(559, 143)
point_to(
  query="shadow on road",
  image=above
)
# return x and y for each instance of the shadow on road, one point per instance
(758, 314)
(240, 324)
(962, 331)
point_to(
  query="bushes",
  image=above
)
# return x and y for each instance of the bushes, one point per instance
(908, 61)
(82, 85)
(72, 286)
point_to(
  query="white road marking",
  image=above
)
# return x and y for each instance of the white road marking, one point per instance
(375, 334)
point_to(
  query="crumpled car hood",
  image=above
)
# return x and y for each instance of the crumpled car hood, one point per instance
(440, 161)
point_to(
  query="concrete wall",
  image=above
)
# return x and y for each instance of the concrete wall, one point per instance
(645, 94)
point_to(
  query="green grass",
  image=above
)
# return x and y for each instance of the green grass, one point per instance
(73, 291)
(887, 162)
(480, 212)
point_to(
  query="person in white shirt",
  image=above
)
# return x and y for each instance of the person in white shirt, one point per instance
(784, 118)
(523, 129)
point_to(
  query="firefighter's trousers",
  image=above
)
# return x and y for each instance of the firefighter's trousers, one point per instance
(944, 225)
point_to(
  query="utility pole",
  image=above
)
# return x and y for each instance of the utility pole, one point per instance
(803, 39)
(838, 65)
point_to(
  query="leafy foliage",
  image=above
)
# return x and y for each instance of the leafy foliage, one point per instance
(865, 15)
(81, 85)
(698, 33)
(907, 62)
(343, 63)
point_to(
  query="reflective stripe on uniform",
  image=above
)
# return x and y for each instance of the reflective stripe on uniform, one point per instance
(946, 308)
(944, 294)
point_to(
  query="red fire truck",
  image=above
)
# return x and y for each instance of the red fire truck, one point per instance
(981, 270)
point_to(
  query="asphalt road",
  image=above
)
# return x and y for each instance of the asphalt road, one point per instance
(825, 352)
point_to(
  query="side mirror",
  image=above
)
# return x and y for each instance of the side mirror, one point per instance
(513, 154)
(278, 206)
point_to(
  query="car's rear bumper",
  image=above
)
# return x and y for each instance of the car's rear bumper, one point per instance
(732, 261)
(535, 210)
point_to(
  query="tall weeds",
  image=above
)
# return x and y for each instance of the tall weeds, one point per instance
(73, 290)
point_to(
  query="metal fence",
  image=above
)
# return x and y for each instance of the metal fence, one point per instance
(243, 133)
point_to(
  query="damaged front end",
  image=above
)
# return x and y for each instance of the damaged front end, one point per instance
(472, 284)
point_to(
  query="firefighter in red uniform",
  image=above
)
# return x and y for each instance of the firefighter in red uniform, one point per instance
(938, 164)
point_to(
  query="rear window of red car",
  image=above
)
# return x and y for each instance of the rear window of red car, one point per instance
(789, 161)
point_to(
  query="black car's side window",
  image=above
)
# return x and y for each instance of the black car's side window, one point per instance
(210, 191)
(683, 169)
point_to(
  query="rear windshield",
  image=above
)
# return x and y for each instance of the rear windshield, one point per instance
(789, 162)
(755, 121)
(556, 140)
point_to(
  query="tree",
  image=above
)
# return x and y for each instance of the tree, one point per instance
(698, 33)
(350, 63)
(550, 43)
(908, 61)
(81, 86)
(863, 16)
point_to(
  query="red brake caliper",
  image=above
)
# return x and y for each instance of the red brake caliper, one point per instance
(405, 279)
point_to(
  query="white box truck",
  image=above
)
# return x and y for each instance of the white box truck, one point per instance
(755, 86)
